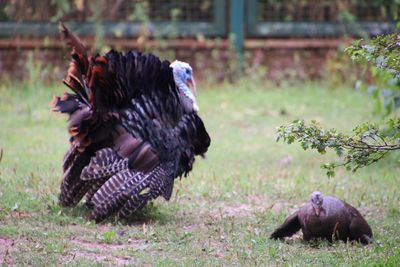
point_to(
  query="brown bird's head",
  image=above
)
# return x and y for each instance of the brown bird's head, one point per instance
(317, 198)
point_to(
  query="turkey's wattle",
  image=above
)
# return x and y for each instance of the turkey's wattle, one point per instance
(133, 129)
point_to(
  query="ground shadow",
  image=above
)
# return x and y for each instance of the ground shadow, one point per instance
(150, 213)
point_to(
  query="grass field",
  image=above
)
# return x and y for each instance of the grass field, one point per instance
(223, 213)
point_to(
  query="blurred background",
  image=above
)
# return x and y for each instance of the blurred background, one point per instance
(289, 39)
(259, 64)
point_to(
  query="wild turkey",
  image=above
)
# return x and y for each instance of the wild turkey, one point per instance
(133, 126)
(326, 217)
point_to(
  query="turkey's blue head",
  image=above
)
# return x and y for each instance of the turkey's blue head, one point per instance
(183, 77)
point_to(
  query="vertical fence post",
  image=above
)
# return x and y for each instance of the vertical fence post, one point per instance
(236, 28)
(252, 16)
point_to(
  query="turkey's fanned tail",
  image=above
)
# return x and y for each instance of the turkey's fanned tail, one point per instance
(71, 39)
(79, 66)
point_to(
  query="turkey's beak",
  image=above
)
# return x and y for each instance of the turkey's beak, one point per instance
(192, 85)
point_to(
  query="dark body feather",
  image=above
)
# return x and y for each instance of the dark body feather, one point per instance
(130, 133)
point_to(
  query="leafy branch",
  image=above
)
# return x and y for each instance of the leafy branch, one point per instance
(367, 144)
(380, 56)
(364, 147)
(383, 51)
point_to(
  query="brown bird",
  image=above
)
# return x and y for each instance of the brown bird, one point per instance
(326, 217)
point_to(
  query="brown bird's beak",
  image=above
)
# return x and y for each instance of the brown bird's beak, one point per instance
(192, 85)
(317, 211)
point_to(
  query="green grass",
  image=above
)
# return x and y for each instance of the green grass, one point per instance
(223, 213)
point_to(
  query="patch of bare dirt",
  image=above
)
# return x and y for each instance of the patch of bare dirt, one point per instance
(254, 204)
(258, 200)
(240, 210)
(18, 215)
(102, 252)
(5, 246)
(76, 228)
(96, 257)
(96, 246)
(278, 206)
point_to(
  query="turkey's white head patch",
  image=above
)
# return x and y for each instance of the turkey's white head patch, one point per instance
(184, 80)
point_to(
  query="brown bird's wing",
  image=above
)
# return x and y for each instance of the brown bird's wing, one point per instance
(359, 228)
(288, 228)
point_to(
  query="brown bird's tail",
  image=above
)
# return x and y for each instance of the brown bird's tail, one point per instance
(288, 228)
